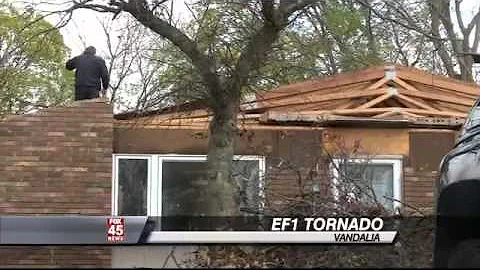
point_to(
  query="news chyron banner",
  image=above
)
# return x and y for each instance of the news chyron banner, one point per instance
(71, 230)
(130, 230)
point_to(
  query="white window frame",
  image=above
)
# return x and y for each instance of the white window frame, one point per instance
(155, 181)
(395, 161)
(115, 186)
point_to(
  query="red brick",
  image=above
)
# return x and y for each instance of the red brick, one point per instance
(49, 167)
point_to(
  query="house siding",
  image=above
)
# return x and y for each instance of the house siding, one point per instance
(370, 141)
(57, 162)
(427, 149)
(420, 150)
(297, 147)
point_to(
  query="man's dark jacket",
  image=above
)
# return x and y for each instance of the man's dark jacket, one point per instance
(91, 71)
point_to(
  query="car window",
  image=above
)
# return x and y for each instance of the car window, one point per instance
(473, 118)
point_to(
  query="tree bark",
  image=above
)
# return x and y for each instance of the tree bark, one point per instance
(222, 133)
(458, 44)
(435, 10)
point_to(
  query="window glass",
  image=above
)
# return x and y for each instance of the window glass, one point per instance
(370, 179)
(184, 187)
(246, 175)
(185, 196)
(132, 187)
(474, 118)
(174, 188)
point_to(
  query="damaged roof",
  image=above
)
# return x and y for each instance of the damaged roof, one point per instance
(385, 95)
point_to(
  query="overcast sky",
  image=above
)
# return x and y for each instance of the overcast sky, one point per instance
(84, 28)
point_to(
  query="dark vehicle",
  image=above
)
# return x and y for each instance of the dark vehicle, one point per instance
(457, 233)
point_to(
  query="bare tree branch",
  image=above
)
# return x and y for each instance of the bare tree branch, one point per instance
(261, 42)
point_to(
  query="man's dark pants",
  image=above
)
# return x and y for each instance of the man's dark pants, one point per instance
(86, 93)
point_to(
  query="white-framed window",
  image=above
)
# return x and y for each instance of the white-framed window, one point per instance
(360, 177)
(170, 185)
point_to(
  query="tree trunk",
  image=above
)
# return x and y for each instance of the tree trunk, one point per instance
(222, 134)
(436, 9)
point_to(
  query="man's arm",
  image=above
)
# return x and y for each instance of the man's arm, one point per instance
(105, 77)
(71, 64)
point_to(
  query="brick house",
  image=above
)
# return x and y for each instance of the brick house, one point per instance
(80, 159)
(57, 161)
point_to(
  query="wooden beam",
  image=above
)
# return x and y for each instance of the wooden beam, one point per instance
(448, 92)
(432, 96)
(405, 84)
(378, 84)
(325, 105)
(436, 113)
(350, 103)
(271, 117)
(266, 97)
(291, 116)
(401, 103)
(350, 111)
(438, 81)
(381, 110)
(438, 121)
(374, 101)
(416, 103)
(411, 114)
(434, 130)
(321, 98)
(297, 117)
(453, 107)
(386, 114)
(334, 81)
(393, 102)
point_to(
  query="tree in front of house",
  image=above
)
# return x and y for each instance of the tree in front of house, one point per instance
(223, 84)
(325, 39)
(32, 55)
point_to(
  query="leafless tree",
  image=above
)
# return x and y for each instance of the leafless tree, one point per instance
(437, 21)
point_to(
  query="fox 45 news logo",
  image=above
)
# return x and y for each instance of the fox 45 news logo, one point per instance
(116, 230)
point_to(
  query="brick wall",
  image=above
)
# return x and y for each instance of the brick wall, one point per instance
(57, 161)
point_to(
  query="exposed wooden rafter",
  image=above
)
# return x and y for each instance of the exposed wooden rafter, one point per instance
(374, 101)
(419, 104)
(391, 93)
(405, 85)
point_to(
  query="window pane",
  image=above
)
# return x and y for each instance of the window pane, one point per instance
(246, 174)
(184, 186)
(474, 118)
(368, 177)
(132, 187)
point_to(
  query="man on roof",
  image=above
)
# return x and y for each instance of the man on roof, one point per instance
(91, 74)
